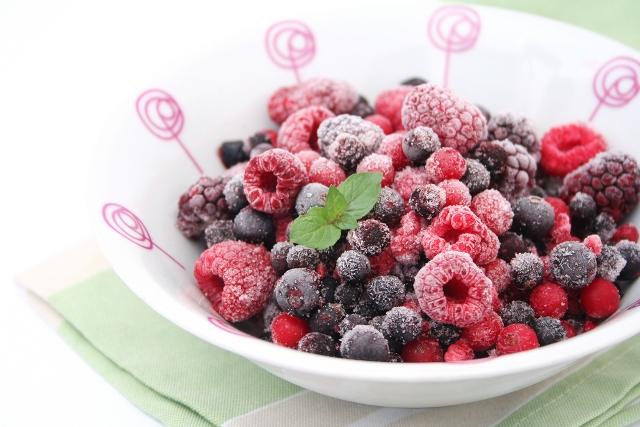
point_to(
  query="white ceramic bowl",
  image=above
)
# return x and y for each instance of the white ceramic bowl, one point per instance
(551, 72)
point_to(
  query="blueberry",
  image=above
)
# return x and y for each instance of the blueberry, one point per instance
(259, 138)
(518, 312)
(549, 330)
(403, 324)
(311, 195)
(493, 157)
(279, 253)
(259, 149)
(371, 237)
(349, 322)
(445, 333)
(303, 257)
(533, 217)
(219, 231)
(231, 153)
(365, 342)
(353, 266)
(420, 143)
(389, 207)
(327, 289)
(327, 319)
(477, 178)
(527, 270)
(414, 81)
(582, 209)
(318, 343)
(572, 265)
(630, 251)
(296, 292)
(386, 292)
(234, 194)
(427, 201)
(253, 226)
(362, 108)
(348, 294)
(511, 244)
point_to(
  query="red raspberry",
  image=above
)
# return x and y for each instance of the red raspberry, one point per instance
(389, 104)
(482, 336)
(494, 210)
(411, 302)
(600, 299)
(456, 192)
(391, 146)
(337, 96)
(405, 244)
(237, 169)
(202, 204)
(382, 121)
(326, 172)
(612, 178)
(445, 163)
(496, 302)
(458, 123)
(457, 228)
(626, 232)
(452, 289)
(558, 205)
(515, 338)
(288, 330)
(594, 243)
(300, 130)
(408, 179)
(549, 299)
(307, 157)
(382, 264)
(378, 163)
(571, 331)
(566, 147)
(272, 181)
(237, 278)
(281, 223)
(458, 351)
(422, 350)
(499, 272)
(367, 133)
(561, 231)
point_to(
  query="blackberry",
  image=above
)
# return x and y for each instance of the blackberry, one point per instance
(630, 251)
(519, 174)
(389, 207)
(533, 217)
(259, 149)
(362, 108)
(420, 143)
(234, 194)
(428, 200)
(517, 129)
(610, 263)
(253, 226)
(279, 253)
(549, 330)
(311, 195)
(364, 342)
(203, 203)
(303, 257)
(219, 231)
(348, 294)
(445, 333)
(353, 266)
(350, 321)
(493, 157)
(612, 178)
(511, 244)
(572, 265)
(414, 81)
(232, 152)
(527, 270)
(477, 178)
(371, 237)
(386, 292)
(296, 292)
(318, 343)
(518, 312)
(327, 319)
(327, 289)
(348, 151)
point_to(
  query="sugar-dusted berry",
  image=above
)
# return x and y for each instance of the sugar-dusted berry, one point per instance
(378, 163)
(365, 342)
(445, 163)
(516, 338)
(549, 299)
(566, 147)
(494, 210)
(481, 336)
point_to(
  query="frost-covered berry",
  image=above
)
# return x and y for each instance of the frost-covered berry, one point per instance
(610, 263)
(428, 200)
(445, 333)
(348, 294)
(369, 134)
(371, 237)
(327, 319)
(518, 312)
(527, 270)
(317, 343)
(234, 194)
(288, 330)
(424, 349)
(549, 299)
(279, 253)
(362, 108)
(533, 217)
(630, 251)
(311, 195)
(386, 292)
(219, 231)
(303, 257)
(389, 207)
(232, 152)
(353, 266)
(445, 163)
(572, 265)
(493, 157)
(549, 330)
(482, 336)
(201, 204)
(517, 129)
(364, 342)
(350, 321)
(420, 143)
(254, 226)
(347, 151)
(494, 210)
(296, 292)
(477, 178)
(403, 324)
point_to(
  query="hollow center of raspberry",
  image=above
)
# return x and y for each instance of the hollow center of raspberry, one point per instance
(313, 137)
(568, 144)
(295, 298)
(451, 236)
(269, 182)
(455, 291)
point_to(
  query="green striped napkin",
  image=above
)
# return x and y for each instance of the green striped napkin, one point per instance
(183, 381)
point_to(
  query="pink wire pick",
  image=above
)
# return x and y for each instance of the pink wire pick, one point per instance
(453, 29)
(128, 225)
(290, 45)
(162, 115)
(616, 83)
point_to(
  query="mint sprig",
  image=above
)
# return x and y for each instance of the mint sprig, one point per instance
(321, 227)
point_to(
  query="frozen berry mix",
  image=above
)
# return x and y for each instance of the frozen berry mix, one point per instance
(418, 228)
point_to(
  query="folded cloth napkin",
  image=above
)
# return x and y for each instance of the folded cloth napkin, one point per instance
(183, 381)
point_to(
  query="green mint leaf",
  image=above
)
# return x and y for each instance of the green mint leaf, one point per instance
(361, 191)
(346, 222)
(335, 204)
(313, 230)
